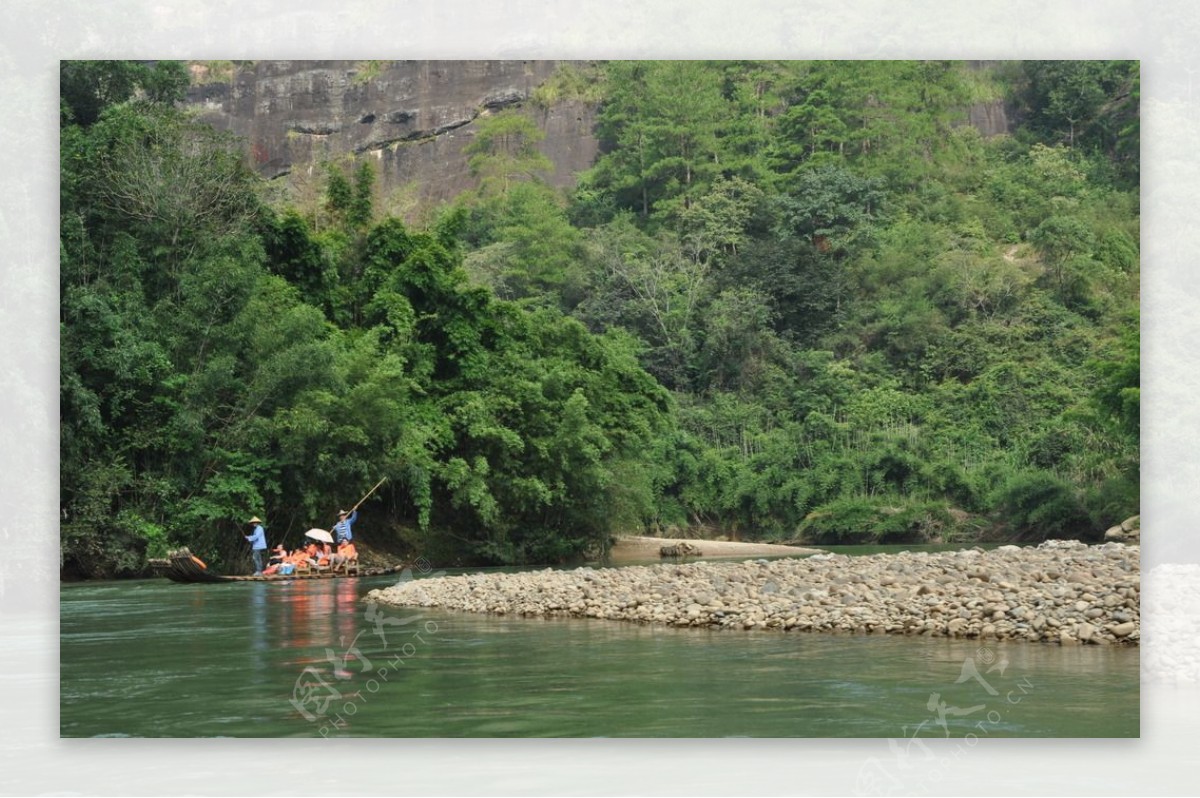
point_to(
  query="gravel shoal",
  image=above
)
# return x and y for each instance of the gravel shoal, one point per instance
(1062, 592)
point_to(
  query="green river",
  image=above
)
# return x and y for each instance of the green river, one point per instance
(308, 659)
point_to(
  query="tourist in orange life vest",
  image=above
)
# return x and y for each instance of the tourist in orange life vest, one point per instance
(277, 558)
(297, 557)
(345, 553)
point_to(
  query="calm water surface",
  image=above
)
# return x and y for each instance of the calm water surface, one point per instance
(152, 658)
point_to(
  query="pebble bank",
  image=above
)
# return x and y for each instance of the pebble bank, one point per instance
(1062, 592)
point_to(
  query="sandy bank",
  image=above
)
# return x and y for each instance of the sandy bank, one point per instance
(1059, 592)
(640, 549)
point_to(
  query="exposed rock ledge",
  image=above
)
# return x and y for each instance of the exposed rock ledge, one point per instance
(1059, 592)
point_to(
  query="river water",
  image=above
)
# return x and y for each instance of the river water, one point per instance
(311, 659)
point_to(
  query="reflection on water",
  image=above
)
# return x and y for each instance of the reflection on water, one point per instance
(310, 658)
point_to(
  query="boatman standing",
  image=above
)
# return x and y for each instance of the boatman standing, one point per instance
(342, 527)
(258, 544)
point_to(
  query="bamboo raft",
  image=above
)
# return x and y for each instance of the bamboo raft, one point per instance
(183, 566)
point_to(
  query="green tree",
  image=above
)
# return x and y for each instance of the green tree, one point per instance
(533, 252)
(832, 208)
(295, 254)
(505, 152)
(358, 213)
(87, 88)
(1066, 245)
(1084, 102)
(662, 122)
(339, 195)
(650, 285)
(1037, 505)
(1119, 394)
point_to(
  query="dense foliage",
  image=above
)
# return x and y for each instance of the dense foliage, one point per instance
(790, 300)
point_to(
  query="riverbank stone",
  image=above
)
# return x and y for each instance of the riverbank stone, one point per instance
(1063, 592)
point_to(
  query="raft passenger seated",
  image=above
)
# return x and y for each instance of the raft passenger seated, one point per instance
(346, 555)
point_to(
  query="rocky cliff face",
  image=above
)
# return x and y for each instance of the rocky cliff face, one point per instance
(993, 117)
(413, 117)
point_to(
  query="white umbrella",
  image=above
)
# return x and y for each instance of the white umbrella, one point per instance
(319, 534)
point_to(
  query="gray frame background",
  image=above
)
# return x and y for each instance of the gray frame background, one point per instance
(33, 760)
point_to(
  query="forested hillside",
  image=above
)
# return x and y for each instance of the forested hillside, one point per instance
(790, 300)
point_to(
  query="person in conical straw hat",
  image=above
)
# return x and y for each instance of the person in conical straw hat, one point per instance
(258, 543)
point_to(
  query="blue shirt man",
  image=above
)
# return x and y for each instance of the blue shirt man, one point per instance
(342, 527)
(258, 544)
